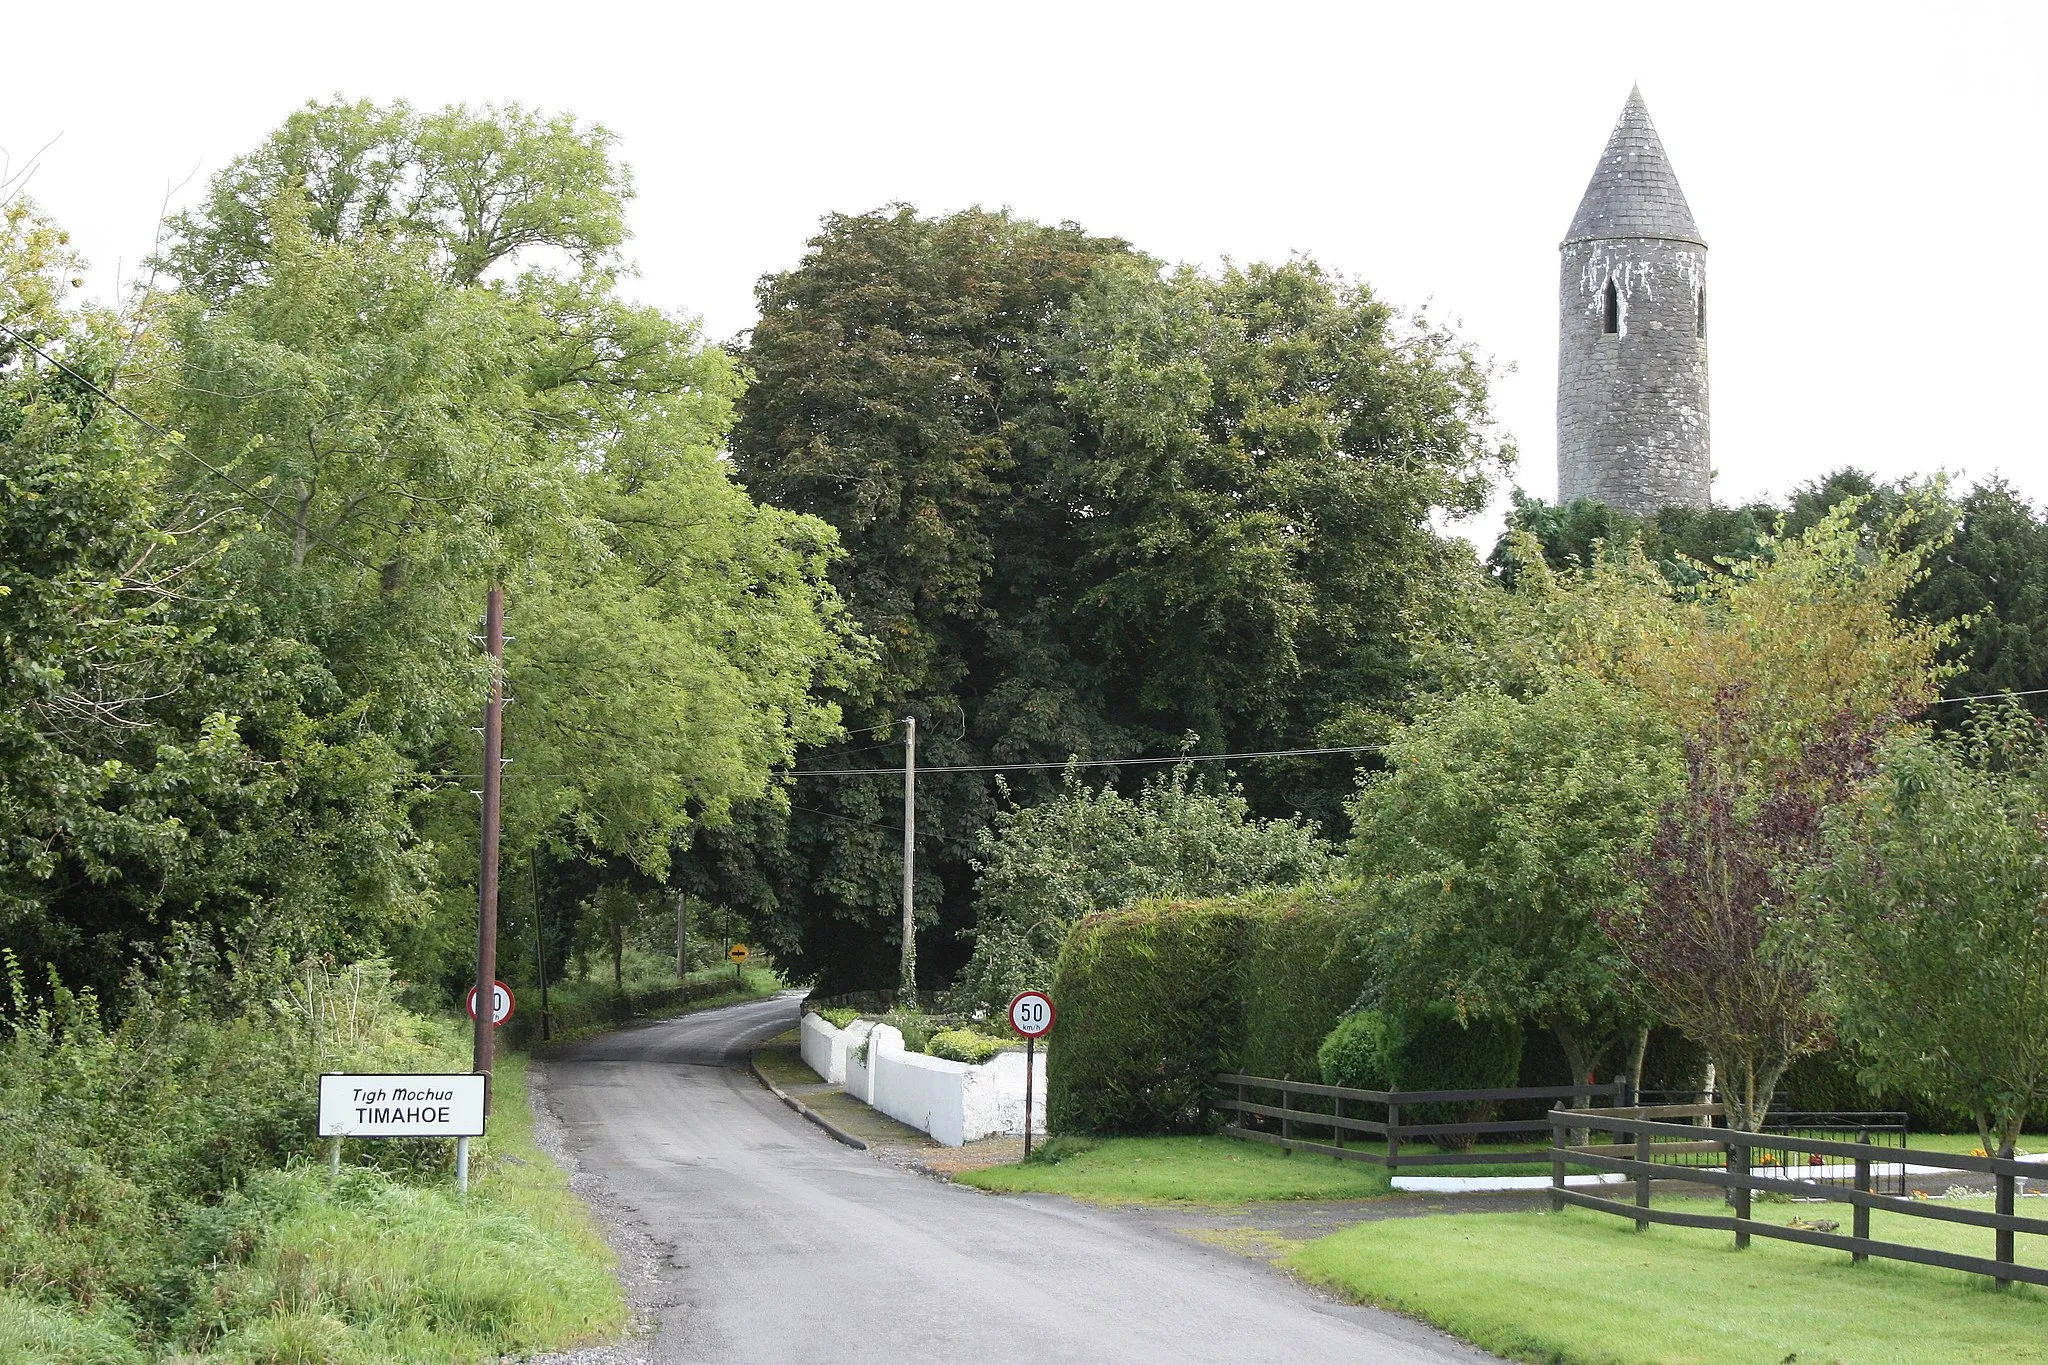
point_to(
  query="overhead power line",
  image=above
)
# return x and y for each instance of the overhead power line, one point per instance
(1992, 696)
(1083, 763)
(215, 470)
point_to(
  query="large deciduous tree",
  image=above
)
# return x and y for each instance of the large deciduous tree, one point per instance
(1089, 507)
(395, 368)
(159, 760)
(376, 332)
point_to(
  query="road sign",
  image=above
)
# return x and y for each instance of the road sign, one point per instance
(501, 1003)
(738, 953)
(1031, 1013)
(411, 1106)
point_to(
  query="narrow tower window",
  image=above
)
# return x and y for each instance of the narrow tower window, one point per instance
(1610, 310)
(1703, 313)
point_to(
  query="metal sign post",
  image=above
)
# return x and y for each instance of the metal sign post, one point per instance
(739, 955)
(1031, 1014)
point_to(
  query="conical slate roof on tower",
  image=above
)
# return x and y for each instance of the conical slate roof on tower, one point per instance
(1634, 192)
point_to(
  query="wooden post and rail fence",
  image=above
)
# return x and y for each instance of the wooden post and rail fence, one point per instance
(1325, 1112)
(1685, 1143)
(1653, 1141)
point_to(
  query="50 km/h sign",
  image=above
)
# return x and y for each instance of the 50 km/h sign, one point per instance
(1031, 1013)
(501, 1003)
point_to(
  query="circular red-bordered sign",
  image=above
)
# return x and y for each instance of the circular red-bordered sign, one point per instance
(501, 1003)
(1031, 1013)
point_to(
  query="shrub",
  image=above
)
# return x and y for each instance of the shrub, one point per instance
(917, 1027)
(1041, 868)
(839, 1018)
(1149, 1013)
(1355, 1053)
(965, 1045)
(1435, 1050)
(125, 1150)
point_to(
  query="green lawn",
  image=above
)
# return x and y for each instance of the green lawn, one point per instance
(1582, 1288)
(1187, 1170)
(1968, 1142)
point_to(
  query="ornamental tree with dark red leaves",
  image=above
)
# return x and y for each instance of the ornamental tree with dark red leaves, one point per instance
(1719, 882)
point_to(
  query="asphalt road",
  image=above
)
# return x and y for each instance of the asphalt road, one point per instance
(782, 1245)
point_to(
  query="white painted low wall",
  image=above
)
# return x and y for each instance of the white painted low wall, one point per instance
(954, 1102)
(825, 1047)
(855, 1073)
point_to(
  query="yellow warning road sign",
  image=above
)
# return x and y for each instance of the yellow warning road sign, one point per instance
(738, 952)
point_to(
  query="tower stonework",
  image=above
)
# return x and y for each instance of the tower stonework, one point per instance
(1632, 333)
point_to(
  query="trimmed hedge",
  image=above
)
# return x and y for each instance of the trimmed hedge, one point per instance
(965, 1045)
(1304, 970)
(1155, 1000)
(1149, 1012)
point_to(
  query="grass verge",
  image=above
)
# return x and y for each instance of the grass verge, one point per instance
(1582, 1288)
(1182, 1170)
(592, 1008)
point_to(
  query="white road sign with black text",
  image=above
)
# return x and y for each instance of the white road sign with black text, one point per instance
(402, 1106)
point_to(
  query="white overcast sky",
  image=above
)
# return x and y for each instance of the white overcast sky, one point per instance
(1869, 176)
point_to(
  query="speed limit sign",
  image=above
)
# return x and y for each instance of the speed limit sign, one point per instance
(1031, 1013)
(501, 1003)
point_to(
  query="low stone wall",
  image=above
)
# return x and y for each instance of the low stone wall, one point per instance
(954, 1102)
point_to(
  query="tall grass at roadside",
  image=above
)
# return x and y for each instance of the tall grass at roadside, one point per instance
(159, 1200)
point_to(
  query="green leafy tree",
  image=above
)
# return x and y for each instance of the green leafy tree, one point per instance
(895, 396)
(1930, 917)
(1088, 508)
(1685, 543)
(1041, 868)
(1501, 830)
(1991, 580)
(1780, 683)
(395, 369)
(1988, 580)
(375, 333)
(158, 763)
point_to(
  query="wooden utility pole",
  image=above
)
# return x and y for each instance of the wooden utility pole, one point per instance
(540, 951)
(487, 872)
(906, 989)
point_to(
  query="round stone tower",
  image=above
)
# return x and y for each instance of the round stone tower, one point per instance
(1632, 333)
